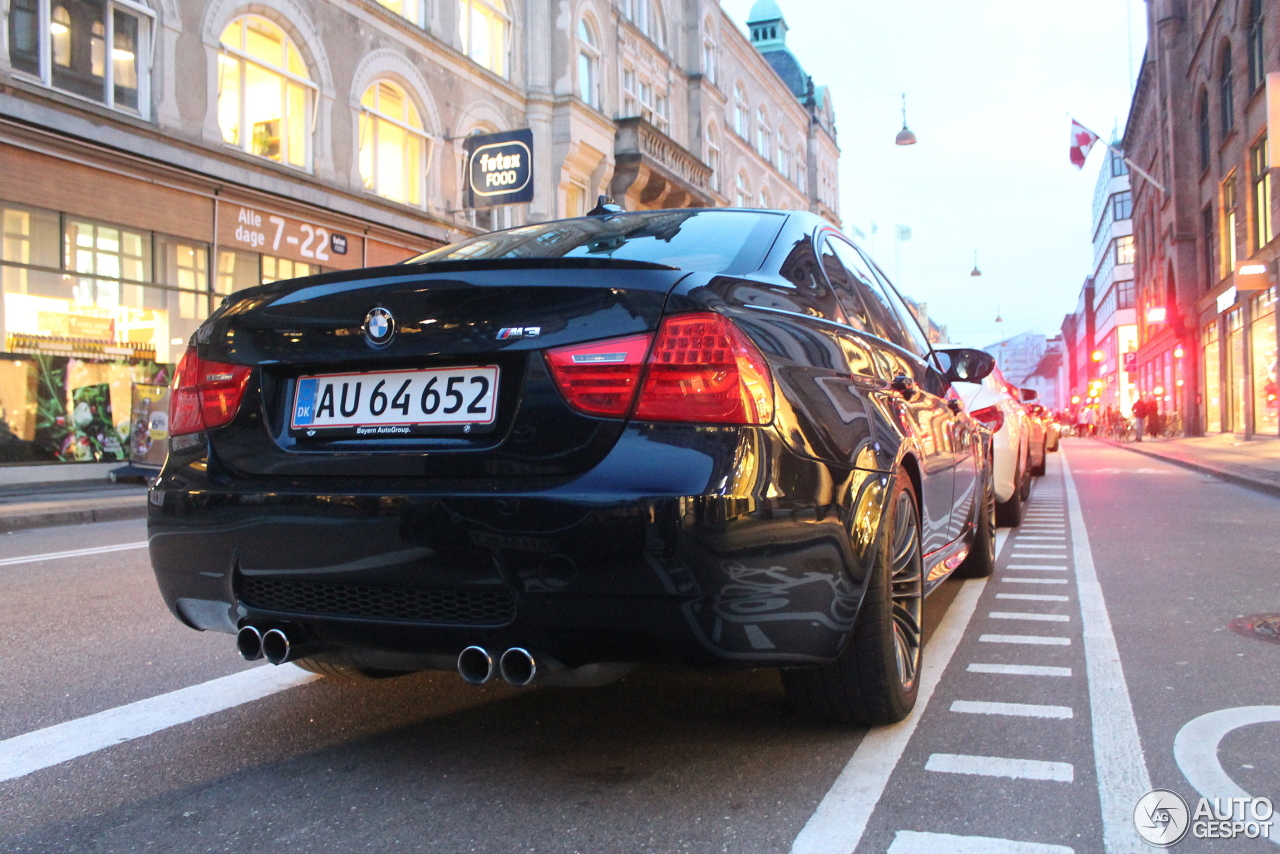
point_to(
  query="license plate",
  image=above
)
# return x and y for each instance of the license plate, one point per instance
(396, 402)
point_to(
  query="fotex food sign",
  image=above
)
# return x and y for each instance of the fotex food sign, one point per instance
(499, 168)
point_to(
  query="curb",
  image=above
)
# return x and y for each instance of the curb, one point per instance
(1265, 487)
(71, 517)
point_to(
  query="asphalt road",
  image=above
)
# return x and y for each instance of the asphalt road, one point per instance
(667, 761)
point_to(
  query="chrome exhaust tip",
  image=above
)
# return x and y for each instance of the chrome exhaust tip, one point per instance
(518, 666)
(249, 642)
(475, 665)
(276, 647)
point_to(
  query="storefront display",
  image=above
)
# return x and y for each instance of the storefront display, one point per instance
(1235, 369)
(1263, 341)
(1212, 381)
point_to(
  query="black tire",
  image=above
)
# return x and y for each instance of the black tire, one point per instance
(343, 671)
(1009, 513)
(1039, 470)
(1026, 478)
(981, 561)
(877, 677)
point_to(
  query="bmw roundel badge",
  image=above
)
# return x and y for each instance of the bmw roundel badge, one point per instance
(379, 327)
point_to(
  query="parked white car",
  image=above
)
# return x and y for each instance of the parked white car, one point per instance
(995, 403)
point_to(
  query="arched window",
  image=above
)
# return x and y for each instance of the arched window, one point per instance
(743, 195)
(802, 171)
(713, 157)
(393, 144)
(1205, 138)
(588, 64)
(265, 95)
(485, 30)
(709, 49)
(1257, 73)
(1227, 88)
(762, 133)
(740, 110)
(766, 200)
(647, 16)
(411, 10)
(784, 155)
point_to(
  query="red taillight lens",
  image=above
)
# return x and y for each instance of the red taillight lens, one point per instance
(205, 394)
(600, 378)
(992, 416)
(704, 369)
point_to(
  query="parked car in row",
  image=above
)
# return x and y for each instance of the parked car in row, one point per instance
(713, 438)
(998, 405)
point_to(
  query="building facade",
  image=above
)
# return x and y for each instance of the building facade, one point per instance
(1115, 344)
(156, 155)
(1206, 248)
(1018, 356)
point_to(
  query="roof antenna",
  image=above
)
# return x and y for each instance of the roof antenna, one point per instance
(605, 207)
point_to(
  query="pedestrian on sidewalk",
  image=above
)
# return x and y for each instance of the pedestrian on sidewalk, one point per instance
(1140, 411)
(1153, 415)
(1089, 421)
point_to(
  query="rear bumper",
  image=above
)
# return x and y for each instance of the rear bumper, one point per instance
(680, 547)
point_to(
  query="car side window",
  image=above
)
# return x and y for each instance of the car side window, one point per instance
(880, 318)
(802, 270)
(919, 342)
(846, 288)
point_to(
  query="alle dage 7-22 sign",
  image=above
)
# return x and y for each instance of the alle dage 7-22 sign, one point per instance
(499, 168)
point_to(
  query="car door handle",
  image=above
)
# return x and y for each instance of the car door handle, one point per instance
(904, 385)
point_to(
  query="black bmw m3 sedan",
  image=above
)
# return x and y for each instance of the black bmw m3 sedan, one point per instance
(710, 438)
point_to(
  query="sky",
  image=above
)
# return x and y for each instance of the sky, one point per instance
(989, 86)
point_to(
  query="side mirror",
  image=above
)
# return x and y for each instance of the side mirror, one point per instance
(966, 366)
(1028, 395)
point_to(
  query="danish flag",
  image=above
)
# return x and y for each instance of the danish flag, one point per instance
(1082, 140)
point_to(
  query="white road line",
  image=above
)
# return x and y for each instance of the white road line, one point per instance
(1033, 581)
(995, 766)
(1045, 568)
(1019, 615)
(96, 550)
(1117, 749)
(1032, 640)
(915, 842)
(1195, 748)
(1043, 546)
(1024, 537)
(1034, 597)
(1015, 710)
(25, 754)
(837, 825)
(1019, 669)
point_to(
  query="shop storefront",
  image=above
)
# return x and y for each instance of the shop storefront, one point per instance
(104, 277)
(1240, 347)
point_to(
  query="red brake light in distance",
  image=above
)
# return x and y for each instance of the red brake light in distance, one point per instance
(703, 369)
(991, 416)
(205, 394)
(601, 377)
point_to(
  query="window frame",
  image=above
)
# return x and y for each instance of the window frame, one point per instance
(1226, 91)
(498, 10)
(428, 142)
(713, 156)
(589, 54)
(145, 52)
(243, 59)
(1259, 174)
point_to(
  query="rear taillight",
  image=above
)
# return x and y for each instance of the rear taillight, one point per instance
(600, 378)
(702, 369)
(991, 416)
(205, 394)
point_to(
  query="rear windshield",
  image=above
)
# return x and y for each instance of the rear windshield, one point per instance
(704, 241)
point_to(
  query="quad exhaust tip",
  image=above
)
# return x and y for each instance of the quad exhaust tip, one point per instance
(249, 642)
(518, 666)
(475, 665)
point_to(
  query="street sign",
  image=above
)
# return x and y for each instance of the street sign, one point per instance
(1130, 361)
(499, 168)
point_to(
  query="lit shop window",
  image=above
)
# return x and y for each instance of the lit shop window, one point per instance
(276, 269)
(408, 9)
(588, 64)
(486, 30)
(265, 95)
(112, 264)
(96, 49)
(393, 144)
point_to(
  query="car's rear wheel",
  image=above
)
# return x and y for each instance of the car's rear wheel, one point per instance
(981, 561)
(877, 677)
(1009, 513)
(1039, 470)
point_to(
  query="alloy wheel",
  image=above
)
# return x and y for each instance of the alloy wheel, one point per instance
(907, 584)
